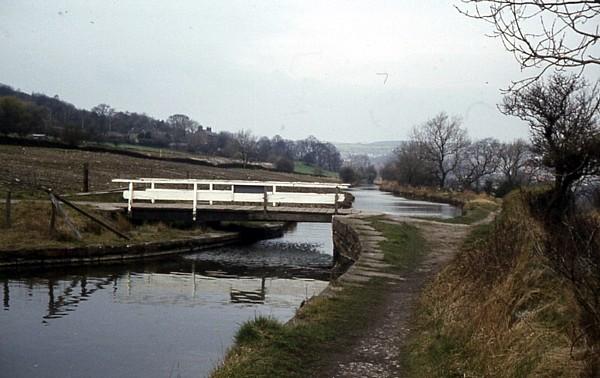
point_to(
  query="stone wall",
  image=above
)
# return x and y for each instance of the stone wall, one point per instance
(346, 244)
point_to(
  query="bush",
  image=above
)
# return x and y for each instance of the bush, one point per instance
(347, 174)
(284, 165)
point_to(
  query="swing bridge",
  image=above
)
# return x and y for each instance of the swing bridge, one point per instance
(231, 200)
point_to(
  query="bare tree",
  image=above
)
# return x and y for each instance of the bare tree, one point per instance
(182, 125)
(563, 115)
(480, 160)
(106, 111)
(246, 143)
(514, 158)
(408, 166)
(543, 33)
(442, 142)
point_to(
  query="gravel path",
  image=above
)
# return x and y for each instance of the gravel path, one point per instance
(377, 352)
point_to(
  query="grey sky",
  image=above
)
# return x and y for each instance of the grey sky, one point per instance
(289, 68)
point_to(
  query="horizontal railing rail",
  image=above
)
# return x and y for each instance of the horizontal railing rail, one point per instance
(232, 191)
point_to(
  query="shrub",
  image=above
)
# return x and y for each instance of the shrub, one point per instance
(284, 165)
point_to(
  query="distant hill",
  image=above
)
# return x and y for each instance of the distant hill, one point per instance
(376, 151)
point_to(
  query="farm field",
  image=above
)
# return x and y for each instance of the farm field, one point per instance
(62, 170)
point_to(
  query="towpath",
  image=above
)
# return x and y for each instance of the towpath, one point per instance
(377, 352)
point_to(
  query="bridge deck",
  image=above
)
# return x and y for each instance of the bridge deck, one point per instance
(183, 211)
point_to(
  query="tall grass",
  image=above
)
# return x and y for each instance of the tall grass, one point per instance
(500, 309)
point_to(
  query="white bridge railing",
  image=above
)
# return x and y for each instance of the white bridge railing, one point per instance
(232, 191)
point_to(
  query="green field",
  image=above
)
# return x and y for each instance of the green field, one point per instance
(300, 167)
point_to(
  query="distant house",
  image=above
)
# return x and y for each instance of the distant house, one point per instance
(39, 137)
(116, 137)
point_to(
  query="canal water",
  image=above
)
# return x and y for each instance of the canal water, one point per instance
(174, 317)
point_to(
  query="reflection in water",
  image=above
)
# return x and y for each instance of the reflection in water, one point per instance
(371, 199)
(5, 295)
(69, 298)
(249, 296)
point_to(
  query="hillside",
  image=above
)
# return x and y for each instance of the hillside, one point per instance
(378, 152)
(61, 169)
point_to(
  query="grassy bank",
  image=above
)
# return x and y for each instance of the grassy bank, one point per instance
(499, 310)
(31, 229)
(305, 169)
(457, 198)
(475, 207)
(326, 326)
(474, 211)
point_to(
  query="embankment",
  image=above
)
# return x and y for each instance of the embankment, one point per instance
(427, 193)
(96, 254)
(475, 207)
(501, 309)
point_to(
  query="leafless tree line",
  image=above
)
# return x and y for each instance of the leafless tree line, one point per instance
(440, 153)
(563, 114)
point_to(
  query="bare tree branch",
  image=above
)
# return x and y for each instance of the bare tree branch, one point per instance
(542, 33)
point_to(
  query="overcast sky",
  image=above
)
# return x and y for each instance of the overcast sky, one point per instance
(289, 68)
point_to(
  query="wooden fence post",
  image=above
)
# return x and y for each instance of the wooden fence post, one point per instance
(53, 218)
(86, 182)
(265, 199)
(7, 214)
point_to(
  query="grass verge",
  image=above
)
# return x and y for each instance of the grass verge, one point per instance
(323, 328)
(30, 229)
(473, 211)
(498, 310)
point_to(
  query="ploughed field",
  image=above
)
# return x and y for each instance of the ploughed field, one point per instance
(62, 169)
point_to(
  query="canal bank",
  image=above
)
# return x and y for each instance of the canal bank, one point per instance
(358, 325)
(384, 256)
(226, 234)
(98, 254)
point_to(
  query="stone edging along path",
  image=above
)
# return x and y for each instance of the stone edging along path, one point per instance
(377, 353)
(95, 254)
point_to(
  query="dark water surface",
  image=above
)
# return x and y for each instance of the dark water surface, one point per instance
(165, 318)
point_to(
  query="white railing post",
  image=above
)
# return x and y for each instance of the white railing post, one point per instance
(232, 193)
(152, 187)
(210, 189)
(265, 199)
(274, 191)
(195, 202)
(130, 200)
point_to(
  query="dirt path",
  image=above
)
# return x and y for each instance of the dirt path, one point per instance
(377, 353)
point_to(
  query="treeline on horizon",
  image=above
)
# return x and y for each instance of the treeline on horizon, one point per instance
(25, 114)
(563, 116)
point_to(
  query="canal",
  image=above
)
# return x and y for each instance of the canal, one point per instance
(174, 317)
